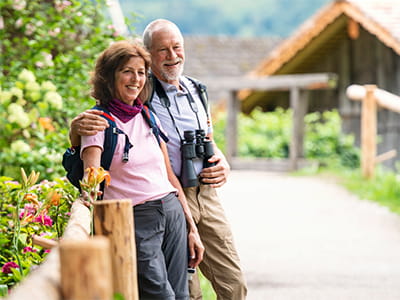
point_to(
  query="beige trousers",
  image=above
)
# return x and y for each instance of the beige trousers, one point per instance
(221, 265)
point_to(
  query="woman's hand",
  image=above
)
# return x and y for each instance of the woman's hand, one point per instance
(196, 248)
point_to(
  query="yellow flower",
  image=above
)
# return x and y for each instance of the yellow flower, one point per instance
(94, 177)
(45, 122)
(55, 198)
(33, 198)
(97, 176)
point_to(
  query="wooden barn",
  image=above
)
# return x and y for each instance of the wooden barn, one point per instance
(359, 40)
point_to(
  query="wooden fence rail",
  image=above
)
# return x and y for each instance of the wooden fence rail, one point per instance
(371, 98)
(82, 267)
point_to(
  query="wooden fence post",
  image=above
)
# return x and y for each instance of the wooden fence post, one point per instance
(114, 219)
(86, 269)
(368, 132)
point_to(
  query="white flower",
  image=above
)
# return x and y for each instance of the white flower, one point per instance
(48, 86)
(20, 147)
(16, 114)
(19, 23)
(27, 76)
(54, 99)
(17, 92)
(5, 96)
(32, 86)
(19, 4)
(43, 151)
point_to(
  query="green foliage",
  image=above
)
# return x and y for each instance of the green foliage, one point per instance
(27, 209)
(264, 134)
(57, 40)
(325, 142)
(268, 135)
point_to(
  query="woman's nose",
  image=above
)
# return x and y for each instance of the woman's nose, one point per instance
(134, 77)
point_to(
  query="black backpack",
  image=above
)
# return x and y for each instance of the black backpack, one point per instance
(73, 163)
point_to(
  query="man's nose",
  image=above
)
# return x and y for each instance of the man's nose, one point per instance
(171, 54)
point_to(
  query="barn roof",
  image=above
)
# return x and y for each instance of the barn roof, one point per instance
(323, 32)
(213, 56)
(379, 17)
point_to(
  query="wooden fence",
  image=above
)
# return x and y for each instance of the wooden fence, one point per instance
(85, 267)
(371, 98)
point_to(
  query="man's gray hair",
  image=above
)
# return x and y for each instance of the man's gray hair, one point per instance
(157, 25)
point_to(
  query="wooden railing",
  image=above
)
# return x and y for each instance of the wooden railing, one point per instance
(85, 267)
(371, 98)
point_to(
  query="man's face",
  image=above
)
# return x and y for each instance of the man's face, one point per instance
(167, 55)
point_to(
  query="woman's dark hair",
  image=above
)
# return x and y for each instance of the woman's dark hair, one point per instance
(110, 60)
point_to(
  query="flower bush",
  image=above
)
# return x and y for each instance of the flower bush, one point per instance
(29, 208)
(58, 40)
(33, 127)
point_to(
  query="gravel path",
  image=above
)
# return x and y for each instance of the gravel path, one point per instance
(305, 238)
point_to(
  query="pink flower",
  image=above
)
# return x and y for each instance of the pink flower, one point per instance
(6, 269)
(47, 251)
(29, 249)
(45, 220)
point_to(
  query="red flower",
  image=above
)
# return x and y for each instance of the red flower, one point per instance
(6, 269)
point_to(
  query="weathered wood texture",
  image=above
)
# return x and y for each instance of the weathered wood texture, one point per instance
(114, 219)
(368, 132)
(44, 282)
(372, 98)
(86, 269)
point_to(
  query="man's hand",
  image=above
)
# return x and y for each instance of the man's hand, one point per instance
(86, 123)
(217, 175)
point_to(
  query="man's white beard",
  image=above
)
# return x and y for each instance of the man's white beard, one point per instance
(174, 74)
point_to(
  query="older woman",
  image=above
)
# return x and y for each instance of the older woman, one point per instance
(119, 84)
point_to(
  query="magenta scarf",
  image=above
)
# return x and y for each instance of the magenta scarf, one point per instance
(123, 111)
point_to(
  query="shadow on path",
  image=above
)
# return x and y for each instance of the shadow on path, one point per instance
(307, 238)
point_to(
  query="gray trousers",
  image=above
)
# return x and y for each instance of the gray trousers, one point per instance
(162, 255)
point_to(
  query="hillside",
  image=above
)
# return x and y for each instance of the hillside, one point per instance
(233, 17)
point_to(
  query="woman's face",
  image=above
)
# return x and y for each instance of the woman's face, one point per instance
(130, 80)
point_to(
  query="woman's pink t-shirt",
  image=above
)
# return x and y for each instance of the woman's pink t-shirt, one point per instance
(144, 177)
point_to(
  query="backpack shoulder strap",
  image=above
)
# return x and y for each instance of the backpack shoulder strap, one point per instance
(148, 115)
(110, 138)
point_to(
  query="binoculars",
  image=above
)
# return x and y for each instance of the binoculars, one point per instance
(194, 145)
